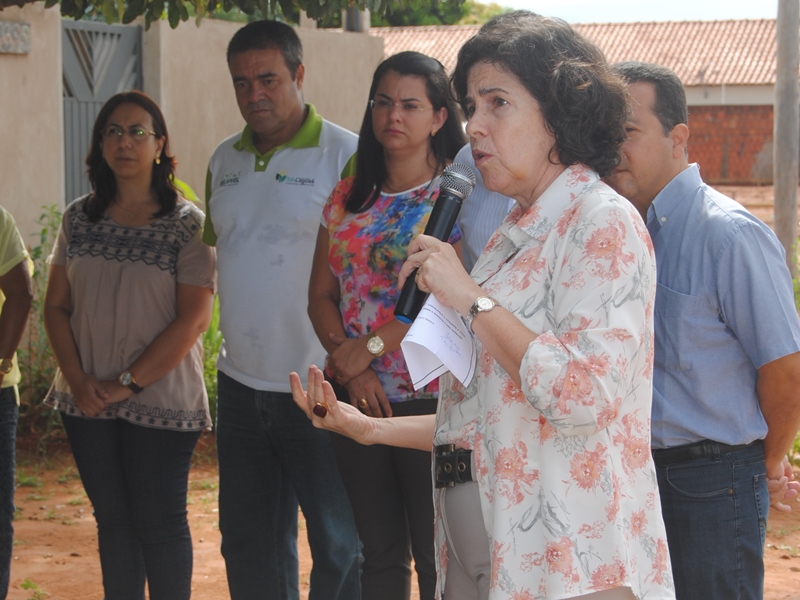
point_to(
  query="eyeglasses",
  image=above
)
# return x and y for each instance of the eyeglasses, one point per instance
(384, 105)
(137, 134)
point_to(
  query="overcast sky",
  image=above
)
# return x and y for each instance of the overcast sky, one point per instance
(606, 11)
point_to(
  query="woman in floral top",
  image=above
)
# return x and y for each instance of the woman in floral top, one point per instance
(410, 132)
(563, 500)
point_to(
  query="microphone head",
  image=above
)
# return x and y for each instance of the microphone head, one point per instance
(458, 179)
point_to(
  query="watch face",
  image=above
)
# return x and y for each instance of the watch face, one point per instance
(375, 345)
(5, 366)
(485, 303)
(126, 378)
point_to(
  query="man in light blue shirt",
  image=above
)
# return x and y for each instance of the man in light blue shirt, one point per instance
(481, 213)
(726, 397)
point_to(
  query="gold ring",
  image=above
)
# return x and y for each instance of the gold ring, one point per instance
(363, 403)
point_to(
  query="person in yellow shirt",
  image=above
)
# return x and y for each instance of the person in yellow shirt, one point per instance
(15, 304)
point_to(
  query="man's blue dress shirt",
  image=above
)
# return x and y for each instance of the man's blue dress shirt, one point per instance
(724, 308)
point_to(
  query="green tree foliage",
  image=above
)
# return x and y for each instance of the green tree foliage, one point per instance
(427, 12)
(430, 12)
(421, 12)
(176, 11)
(480, 13)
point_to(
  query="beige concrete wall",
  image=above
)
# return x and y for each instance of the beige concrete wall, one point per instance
(186, 72)
(31, 120)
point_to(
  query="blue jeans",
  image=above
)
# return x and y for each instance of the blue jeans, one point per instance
(271, 458)
(8, 436)
(136, 478)
(715, 511)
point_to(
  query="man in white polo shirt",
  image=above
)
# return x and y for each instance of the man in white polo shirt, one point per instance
(265, 191)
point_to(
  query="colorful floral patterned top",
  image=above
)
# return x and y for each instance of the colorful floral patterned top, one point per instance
(568, 487)
(366, 252)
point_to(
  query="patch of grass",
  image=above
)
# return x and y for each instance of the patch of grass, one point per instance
(794, 453)
(77, 502)
(35, 497)
(69, 474)
(38, 593)
(205, 484)
(791, 550)
(782, 532)
(35, 356)
(25, 480)
(212, 341)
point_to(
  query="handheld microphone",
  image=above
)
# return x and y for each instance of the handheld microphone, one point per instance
(457, 182)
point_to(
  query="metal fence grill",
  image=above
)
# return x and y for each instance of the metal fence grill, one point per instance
(99, 61)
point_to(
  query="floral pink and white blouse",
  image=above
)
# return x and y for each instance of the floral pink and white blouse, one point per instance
(568, 487)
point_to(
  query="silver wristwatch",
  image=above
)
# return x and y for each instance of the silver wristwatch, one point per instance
(128, 381)
(481, 304)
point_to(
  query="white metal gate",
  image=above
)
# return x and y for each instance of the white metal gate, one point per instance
(99, 61)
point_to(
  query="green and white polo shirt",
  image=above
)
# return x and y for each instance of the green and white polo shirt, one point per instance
(263, 215)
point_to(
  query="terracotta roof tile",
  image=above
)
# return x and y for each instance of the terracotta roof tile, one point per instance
(733, 52)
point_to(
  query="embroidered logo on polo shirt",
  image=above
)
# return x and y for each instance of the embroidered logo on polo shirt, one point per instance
(229, 179)
(284, 178)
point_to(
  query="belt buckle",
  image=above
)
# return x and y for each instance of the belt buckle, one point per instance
(445, 459)
(452, 465)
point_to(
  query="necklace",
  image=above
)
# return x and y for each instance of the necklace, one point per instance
(136, 216)
(414, 183)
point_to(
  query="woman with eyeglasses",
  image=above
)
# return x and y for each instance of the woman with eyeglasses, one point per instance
(130, 292)
(410, 132)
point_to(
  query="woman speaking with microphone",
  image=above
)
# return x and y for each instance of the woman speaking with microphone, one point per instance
(545, 483)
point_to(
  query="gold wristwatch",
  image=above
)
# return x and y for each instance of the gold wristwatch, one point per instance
(375, 345)
(6, 364)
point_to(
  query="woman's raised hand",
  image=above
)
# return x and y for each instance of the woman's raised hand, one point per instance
(320, 405)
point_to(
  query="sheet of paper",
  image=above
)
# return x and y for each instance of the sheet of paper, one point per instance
(437, 342)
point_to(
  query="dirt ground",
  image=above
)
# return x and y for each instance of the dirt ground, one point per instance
(55, 554)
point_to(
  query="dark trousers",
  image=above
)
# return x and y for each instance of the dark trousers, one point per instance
(136, 478)
(715, 511)
(9, 411)
(270, 459)
(391, 494)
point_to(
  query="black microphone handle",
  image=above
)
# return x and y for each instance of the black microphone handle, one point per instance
(410, 302)
(440, 225)
(443, 217)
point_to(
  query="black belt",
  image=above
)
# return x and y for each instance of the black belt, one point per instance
(453, 465)
(701, 449)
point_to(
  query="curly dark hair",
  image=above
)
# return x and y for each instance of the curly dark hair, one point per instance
(370, 166)
(264, 35)
(102, 178)
(583, 102)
